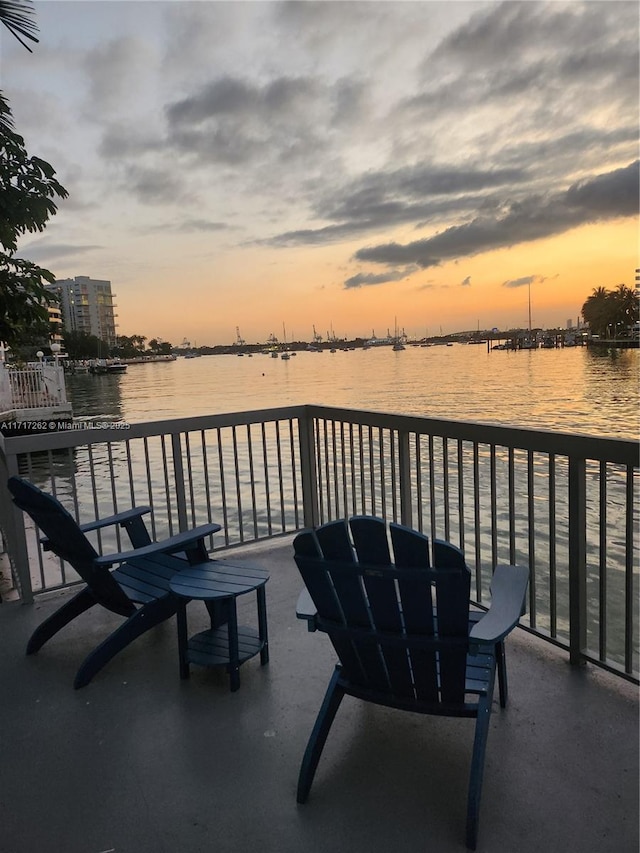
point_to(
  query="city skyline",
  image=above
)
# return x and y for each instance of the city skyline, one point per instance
(343, 165)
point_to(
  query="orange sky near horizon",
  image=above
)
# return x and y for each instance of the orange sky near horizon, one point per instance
(204, 306)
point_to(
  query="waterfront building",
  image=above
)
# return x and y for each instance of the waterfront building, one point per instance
(56, 324)
(87, 306)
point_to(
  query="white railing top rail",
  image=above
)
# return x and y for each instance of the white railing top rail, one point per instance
(616, 450)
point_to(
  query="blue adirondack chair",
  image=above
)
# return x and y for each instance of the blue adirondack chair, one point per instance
(141, 576)
(403, 631)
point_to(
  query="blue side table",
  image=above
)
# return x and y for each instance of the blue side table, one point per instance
(219, 582)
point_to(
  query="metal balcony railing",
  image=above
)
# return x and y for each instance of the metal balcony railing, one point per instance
(564, 505)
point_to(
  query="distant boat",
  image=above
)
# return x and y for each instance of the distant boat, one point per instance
(398, 340)
(285, 356)
(101, 366)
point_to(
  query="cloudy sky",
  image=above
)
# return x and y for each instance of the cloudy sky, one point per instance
(335, 164)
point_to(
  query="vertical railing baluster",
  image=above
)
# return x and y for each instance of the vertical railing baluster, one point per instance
(280, 478)
(383, 491)
(336, 484)
(252, 480)
(476, 521)
(343, 451)
(512, 508)
(223, 486)
(189, 479)
(169, 488)
(445, 488)
(318, 464)
(147, 463)
(531, 528)
(577, 559)
(237, 480)
(602, 562)
(178, 481)
(494, 505)
(294, 476)
(461, 530)
(553, 584)
(352, 462)
(630, 594)
(404, 474)
(394, 476)
(432, 491)
(419, 512)
(372, 472)
(267, 485)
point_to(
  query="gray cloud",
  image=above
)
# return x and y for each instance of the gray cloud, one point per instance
(154, 185)
(44, 250)
(362, 279)
(112, 72)
(237, 122)
(523, 281)
(604, 197)
(418, 193)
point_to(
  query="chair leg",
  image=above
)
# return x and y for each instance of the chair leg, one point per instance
(141, 621)
(328, 710)
(80, 602)
(477, 769)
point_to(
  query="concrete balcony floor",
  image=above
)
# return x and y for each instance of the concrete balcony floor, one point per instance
(142, 762)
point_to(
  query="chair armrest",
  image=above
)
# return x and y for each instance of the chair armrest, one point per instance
(120, 518)
(508, 591)
(179, 542)
(306, 609)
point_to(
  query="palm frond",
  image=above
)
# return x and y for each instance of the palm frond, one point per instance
(18, 16)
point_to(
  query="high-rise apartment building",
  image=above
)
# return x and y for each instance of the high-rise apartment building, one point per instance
(87, 306)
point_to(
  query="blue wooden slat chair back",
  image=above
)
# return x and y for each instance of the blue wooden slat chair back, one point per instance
(402, 630)
(137, 589)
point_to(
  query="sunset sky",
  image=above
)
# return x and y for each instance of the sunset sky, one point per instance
(343, 165)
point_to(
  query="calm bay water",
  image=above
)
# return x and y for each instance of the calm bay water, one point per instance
(572, 390)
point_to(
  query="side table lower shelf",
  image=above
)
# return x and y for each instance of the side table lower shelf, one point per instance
(211, 648)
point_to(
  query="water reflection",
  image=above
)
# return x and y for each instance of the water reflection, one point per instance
(95, 396)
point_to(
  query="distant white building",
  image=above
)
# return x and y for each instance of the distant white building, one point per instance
(87, 306)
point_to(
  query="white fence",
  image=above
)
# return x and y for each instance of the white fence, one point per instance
(38, 386)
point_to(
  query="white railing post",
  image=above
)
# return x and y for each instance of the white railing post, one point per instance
(14, 531)
(308, 470)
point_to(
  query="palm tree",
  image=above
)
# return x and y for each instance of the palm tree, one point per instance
(627, 307)
(607, 310)
(18, 17)
(598, 310)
